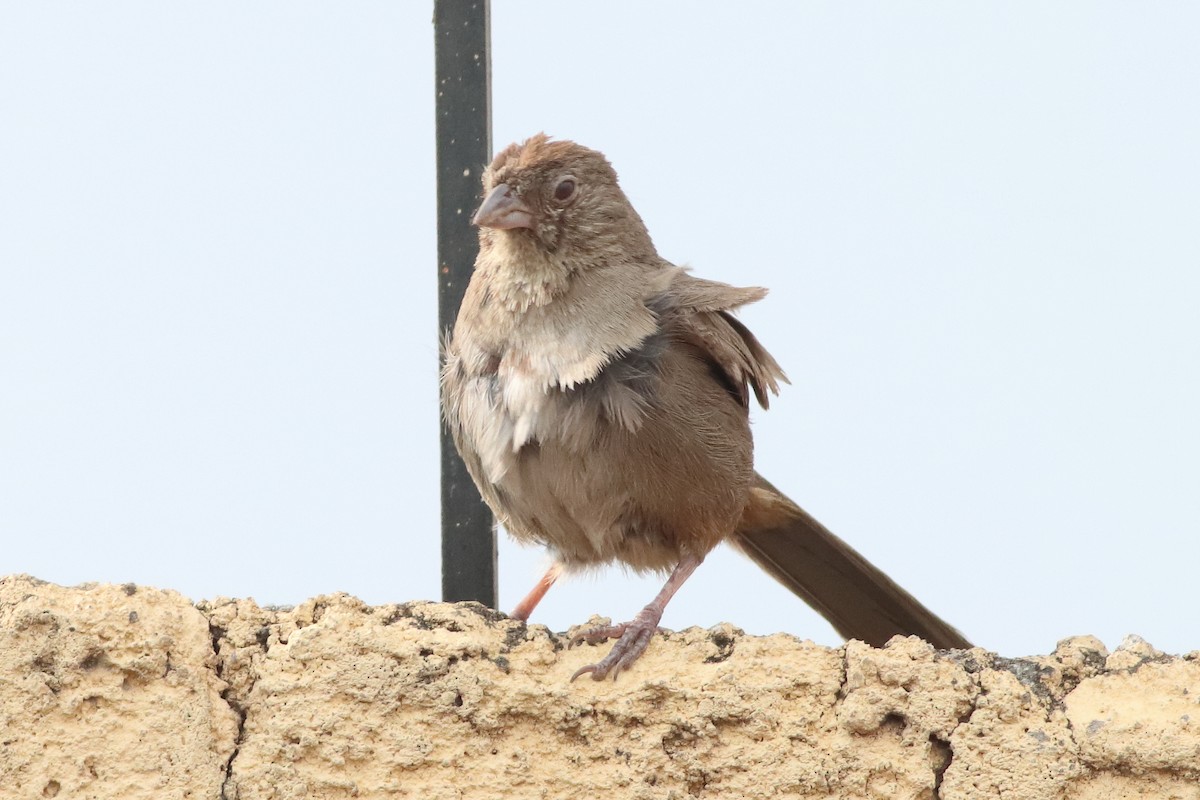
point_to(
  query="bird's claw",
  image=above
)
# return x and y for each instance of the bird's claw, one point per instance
(632, 639)
(601, 633)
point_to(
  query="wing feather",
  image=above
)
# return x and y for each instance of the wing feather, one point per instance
(703, 317)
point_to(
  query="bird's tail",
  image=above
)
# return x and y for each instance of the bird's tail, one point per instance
(842, 586)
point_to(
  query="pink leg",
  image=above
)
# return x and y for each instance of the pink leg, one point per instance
(526, 606)
(634, 635)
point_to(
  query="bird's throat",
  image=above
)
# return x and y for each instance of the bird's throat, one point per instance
(521, 275)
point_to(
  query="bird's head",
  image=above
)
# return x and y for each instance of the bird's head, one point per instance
(559, 197)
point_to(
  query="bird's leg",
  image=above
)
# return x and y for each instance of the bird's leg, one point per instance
(530, 601)
(634, 635)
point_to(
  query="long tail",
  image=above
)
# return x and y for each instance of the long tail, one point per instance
(842, 586)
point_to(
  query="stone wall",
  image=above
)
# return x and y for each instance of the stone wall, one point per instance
(130, 692)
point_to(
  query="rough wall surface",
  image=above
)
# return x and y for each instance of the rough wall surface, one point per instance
(128, 692)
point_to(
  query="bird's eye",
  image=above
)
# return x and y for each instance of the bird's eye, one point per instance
(564, 190)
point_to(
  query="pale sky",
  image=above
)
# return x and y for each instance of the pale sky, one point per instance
(980, 224)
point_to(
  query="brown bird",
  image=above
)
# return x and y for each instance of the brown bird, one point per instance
(600, 396)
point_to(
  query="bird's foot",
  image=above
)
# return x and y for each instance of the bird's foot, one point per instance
(632, 639)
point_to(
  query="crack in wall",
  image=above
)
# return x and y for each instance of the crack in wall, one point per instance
(941, 753)
(226, 654)
(217, 635)
(229, 790)
(941, 756)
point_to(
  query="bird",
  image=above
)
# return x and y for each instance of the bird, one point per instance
(599, 396)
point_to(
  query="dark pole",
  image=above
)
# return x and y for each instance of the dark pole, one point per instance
(464, 145)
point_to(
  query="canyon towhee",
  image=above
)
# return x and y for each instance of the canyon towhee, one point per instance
(600, 395)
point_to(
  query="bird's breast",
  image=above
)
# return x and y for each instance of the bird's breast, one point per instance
(502, 403)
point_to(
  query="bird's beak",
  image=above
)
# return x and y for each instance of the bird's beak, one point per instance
(503, 210)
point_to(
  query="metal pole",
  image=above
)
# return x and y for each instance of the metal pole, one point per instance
(464, 146)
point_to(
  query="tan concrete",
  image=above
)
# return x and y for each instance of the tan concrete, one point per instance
(107, 692)
(122, 692)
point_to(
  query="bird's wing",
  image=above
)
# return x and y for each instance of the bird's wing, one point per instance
(703, 318)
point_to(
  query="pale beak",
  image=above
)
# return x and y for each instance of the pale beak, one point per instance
(503, 210)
